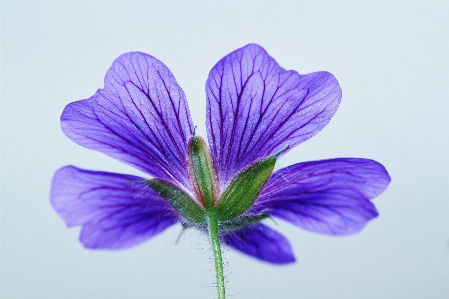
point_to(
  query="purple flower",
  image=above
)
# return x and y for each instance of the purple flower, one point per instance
(256, 111)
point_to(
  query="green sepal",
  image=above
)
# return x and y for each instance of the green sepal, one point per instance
(179, 200)
(241, 193)
(202, 171)
(241, 222)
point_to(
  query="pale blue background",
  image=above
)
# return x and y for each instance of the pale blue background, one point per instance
(392, 61)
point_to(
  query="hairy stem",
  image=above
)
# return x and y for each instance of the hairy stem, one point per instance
(216, 247)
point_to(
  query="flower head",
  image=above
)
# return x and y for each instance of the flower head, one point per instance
(256, 111)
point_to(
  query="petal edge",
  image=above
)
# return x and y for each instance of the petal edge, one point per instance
(261, 242)
(328, 196)
(116, 210)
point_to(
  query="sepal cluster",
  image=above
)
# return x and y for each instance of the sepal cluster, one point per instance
(230, 206)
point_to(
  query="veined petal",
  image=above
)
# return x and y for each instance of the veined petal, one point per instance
(328, 196)
(115, 210)
(255, 108)
(140, 117)
(261, 242)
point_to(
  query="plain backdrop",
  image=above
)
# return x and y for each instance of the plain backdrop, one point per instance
(392, 62)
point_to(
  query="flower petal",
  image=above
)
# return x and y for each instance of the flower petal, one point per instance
(255, 108)
(140, 117)
(328, 196)
(115, 210)
(261, 242)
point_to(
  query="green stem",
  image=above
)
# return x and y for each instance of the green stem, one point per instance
(215, 240)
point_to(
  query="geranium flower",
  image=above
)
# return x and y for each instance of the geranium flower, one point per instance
(256, 111)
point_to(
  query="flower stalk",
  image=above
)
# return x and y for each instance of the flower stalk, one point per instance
(216, 247)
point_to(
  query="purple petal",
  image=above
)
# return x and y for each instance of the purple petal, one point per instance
(115, 210)
(261, 242)
(140, 117)
(255, 108)
(328, 196)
